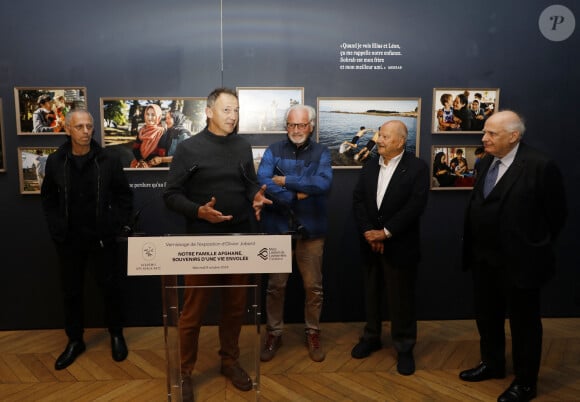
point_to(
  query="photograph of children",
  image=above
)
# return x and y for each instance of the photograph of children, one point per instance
(145, 132)
(454, 167)
(41, 111)
(263, 110)
(31, 165)
(458, 110)
(2, 157)
(349, 126)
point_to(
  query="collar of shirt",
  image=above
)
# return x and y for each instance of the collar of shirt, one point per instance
(506, 161)
(385, 174)
(393, 161)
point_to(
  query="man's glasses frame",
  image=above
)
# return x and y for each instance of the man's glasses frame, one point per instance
(300, 126)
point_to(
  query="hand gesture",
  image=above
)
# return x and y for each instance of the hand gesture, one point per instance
(259, 201)
(210, 214)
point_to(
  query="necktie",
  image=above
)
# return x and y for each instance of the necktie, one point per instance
(490, 178)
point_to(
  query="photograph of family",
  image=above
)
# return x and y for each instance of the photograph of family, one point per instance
(455, 167)
(457, 110)
(145, 132)
(41, 111)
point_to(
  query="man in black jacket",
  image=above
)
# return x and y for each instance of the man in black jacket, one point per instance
(88, 203)
(388, 201)
(516, 210)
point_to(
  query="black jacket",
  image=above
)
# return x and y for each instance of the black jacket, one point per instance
(524, 213)
(110, 206)
(403, 204)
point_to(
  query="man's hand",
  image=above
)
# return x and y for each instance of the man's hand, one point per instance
(210, 214)
(279, 180)
(375, 239)
(259, 201)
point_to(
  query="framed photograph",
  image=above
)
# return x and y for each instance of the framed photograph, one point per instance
(31, 164)
(258, 152)
(462, 110)
(349, 126)
(145, 132)
(263, 110)
(454, 167)
(2, 149)
(41, 110)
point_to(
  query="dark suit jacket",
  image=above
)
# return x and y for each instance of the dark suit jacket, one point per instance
(531, 208)
(401, 209)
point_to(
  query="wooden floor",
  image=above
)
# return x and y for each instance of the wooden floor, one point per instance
(444, 348)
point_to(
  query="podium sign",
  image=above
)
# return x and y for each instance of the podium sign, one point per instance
(209, 254)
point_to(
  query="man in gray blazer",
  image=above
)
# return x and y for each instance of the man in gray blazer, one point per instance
(515, 212)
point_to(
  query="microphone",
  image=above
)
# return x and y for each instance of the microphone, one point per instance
(188, 174)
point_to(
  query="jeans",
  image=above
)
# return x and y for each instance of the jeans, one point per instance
(308, 253)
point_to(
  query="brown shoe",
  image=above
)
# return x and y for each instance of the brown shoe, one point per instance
(314, 348)
(271, 345)
(238, 376)
(186, 389)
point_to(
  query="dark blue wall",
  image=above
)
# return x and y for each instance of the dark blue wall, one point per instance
(174, 49)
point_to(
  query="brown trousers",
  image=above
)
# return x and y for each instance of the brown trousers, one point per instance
(196, 297)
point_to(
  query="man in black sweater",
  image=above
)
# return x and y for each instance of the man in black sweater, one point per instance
(212, 183)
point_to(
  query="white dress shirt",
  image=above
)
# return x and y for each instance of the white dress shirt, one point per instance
(385, 174)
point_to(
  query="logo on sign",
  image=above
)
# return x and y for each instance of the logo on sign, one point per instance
(263, 253)
(148, 251)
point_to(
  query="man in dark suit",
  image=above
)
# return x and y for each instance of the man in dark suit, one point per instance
(509, 237)
(389, 199)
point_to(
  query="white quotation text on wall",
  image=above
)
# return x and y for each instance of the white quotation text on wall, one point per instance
(370, 56)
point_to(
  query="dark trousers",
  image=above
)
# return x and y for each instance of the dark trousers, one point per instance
(196, 297)
(104, 264)
(399, 285)
(496, 296)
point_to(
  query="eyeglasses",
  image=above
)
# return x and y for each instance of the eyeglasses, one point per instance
(300, 126)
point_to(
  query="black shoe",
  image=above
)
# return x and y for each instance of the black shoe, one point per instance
(186, 388)
(518, 393)
(364, 348)
(481, 373)
(238, 376)
(405, 363)
(71, 352)
(118, 348)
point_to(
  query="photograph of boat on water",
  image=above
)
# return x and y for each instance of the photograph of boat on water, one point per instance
(349, 126)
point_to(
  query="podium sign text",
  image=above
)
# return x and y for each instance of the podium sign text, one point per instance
(194, 255)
